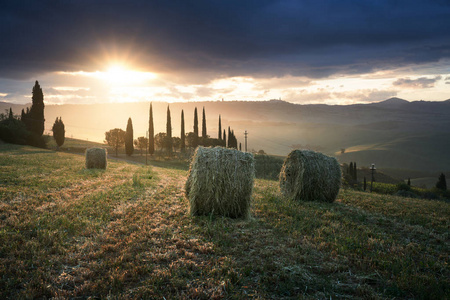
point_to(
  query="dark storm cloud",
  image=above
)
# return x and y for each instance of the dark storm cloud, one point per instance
(268, 38)
(419, 83)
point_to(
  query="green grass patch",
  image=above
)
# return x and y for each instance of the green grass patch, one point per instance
(125, 232)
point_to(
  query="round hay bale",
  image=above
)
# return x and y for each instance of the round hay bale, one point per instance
(220, 182)
(310, 176)
(96, 158)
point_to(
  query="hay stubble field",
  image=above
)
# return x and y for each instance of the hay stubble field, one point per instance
(125, 232)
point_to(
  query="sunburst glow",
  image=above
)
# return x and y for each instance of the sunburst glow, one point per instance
(118, 74)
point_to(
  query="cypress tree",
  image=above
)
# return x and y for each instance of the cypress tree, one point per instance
(204, 124)
(240, 146)
(355, 172)
(129, 147)
(220, 129)
(224, 139)
(22, 116)
(34, 120)
(169, 131)
(442, 183)
(11, 115)
(229, 143)
(350, 169)
(59, 132)
(409, 181)
(365, 184)
(151, 133)
(195, 128)
(183, 135)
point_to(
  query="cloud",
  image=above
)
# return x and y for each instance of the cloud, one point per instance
(232, 38)
(447, 80)
(419, 83)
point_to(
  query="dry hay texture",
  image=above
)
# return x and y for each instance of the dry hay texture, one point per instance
(96, 158)
(310, 176)
(220, 182)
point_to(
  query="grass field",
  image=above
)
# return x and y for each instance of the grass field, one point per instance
(126, 233)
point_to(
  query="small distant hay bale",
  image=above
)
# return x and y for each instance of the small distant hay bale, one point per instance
(96, 158)
(310, 176)
(220, 182)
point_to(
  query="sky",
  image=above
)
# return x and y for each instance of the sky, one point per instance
(306, 52)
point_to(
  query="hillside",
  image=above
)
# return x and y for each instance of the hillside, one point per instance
(126, 232)
(394, 134)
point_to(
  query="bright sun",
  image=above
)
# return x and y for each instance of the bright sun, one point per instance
(118, 74)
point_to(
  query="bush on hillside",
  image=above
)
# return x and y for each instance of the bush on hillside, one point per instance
(14, 131)
(402, 186)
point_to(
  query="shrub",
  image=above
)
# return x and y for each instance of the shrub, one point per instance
(402, 186)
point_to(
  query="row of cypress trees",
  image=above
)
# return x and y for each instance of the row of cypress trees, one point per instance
(194, 138)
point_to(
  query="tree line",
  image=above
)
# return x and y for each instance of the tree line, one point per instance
(164, 141)
(28, 128)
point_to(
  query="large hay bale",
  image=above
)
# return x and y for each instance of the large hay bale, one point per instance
(96, 158)
(310, 176)
(220, 182)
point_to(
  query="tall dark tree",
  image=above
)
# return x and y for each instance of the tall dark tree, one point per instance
(229, 143)
(169, 141)
(10, 115)
(204, 134)
(224, 139)
(129, 147)
(355, 172)
(22, 116)
(59, 132)
(34, 119)
(234, 140)
(182, 135)
(220, 129)
(151, 133)
(195, 128)
(350, 169)
(442, 183)
(240, 146)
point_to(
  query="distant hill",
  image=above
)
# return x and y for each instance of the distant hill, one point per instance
(392, 103)
(394, 133)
